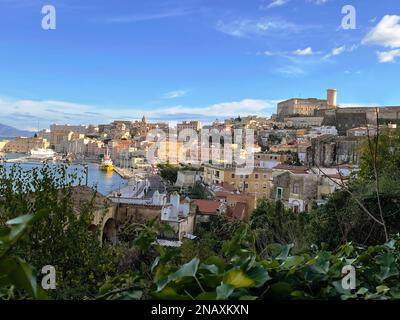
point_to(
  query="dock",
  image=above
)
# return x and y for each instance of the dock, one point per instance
(124, 173)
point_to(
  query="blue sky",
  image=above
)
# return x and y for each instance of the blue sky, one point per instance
(202, 59)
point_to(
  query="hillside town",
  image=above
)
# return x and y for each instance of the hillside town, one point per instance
(300, 156)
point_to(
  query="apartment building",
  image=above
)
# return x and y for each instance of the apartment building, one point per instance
(256, 182)
(298, 190)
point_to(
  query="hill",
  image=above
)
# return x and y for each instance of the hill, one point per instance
(11, 132)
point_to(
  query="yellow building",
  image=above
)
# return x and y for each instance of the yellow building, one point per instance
(257, 182)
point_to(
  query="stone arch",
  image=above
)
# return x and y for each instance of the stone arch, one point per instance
(110, 231)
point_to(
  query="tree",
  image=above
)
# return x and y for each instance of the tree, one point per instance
(62, 239)
(199, 191)
(169, 172)
(366, 210)
(273, 223)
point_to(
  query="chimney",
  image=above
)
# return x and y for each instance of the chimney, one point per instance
(331, 97)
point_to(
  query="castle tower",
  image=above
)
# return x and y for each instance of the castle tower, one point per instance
(332, 98)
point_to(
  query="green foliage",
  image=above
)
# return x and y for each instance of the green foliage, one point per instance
(17, 277)
(342, 219)
(128, 286)
(199, 191)
(213, 279)
(61, 239)
(315, 274)
(387, 148)
(169, 172)
(273, 223)
(200, 248)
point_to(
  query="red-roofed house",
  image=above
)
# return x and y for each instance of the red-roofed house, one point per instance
(208, 208)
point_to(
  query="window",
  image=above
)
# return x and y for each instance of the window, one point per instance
(256, 186)
(279, 193)
(256, 176)
(247, 176)
(233, 176)
(296, 188)
(265, 176)
(264, 186)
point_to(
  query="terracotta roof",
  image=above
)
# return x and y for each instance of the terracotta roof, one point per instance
(222, 194)
(239, 211)
(225, 187)
(294, 169)
(207, 206)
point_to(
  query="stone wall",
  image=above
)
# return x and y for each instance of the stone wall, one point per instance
(328, 150)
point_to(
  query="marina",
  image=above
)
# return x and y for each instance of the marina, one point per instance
(104, 181)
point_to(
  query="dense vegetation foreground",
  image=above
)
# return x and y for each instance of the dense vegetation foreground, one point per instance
(275, 255)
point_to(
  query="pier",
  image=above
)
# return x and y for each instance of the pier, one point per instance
(124, 173)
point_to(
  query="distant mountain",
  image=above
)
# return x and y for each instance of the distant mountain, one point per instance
(10, 132)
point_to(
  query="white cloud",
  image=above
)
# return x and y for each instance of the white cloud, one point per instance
(26, 114)
(319, 2)
(304, 52)
(148, 17)
(268, 53)
(175, 94)
(226, 109)
(276, 3)
(386, 33)
(242, 28)
(337, 51)
(388, 56)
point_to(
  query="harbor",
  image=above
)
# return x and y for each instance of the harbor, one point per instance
(104, 182)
